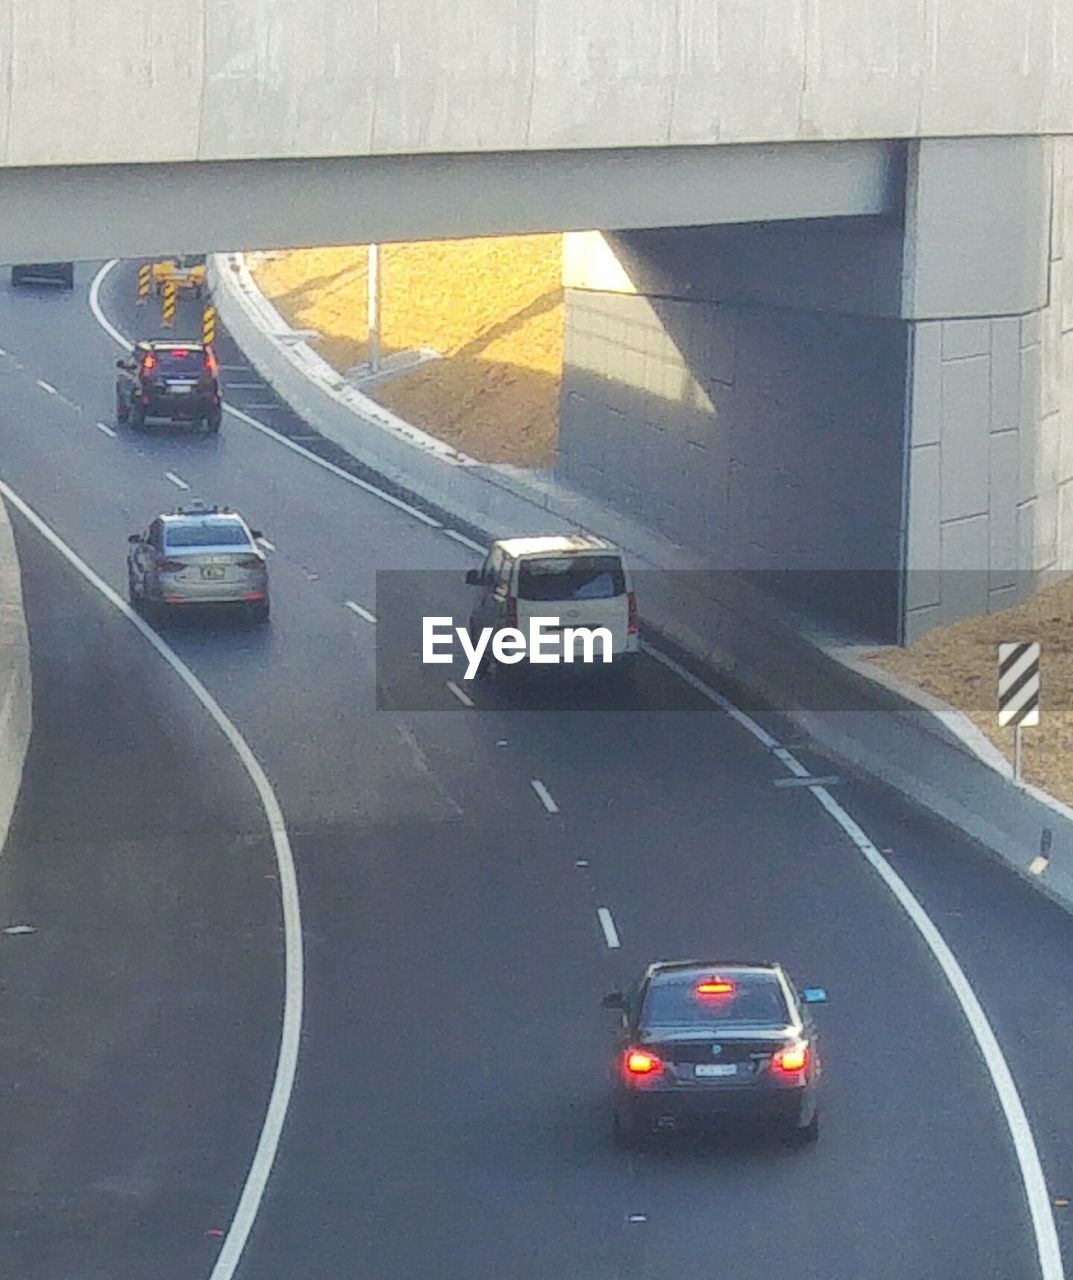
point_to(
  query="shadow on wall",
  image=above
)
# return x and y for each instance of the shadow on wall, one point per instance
(770, 440)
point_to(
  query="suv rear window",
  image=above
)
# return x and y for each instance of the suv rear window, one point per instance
(571, 578)
(188, 360)
(674, 1002)
(204, 534)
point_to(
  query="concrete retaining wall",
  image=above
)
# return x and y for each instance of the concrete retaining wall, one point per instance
(15, 699)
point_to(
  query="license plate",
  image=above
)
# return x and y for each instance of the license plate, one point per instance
(212, 571)
(711, 1070)
(180, 388)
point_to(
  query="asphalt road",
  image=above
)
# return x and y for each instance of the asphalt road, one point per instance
(449, 1113)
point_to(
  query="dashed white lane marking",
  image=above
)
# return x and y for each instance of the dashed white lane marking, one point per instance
(2, 352)
(177, 481)
(47, 386)
(17, 930)
(268, 546)
(1024, 1144)
(460, 694)
(108, 431)
(545, 795)
(466, 542)
(354, 607)
(607, 923)
(293, 966)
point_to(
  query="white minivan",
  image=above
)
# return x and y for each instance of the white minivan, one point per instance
(579, 581)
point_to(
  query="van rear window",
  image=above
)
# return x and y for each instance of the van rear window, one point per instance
(571, 578)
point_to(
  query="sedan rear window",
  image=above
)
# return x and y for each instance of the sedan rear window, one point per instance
(571, 578)
(203, 534)
(755, 998)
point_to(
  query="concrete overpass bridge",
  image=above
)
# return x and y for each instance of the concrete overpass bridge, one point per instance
(824, 327)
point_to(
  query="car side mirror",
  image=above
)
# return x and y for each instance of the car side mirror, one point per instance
(613, 1000)
(122, 364)
(255, 534)
(473, 577)
(135, 537)
(814, 995)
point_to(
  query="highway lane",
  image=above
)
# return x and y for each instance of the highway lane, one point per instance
(413, 879)
(140, 1018)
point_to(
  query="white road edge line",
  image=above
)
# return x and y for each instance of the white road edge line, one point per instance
(127, 345)
(466, 542)
(354, 607)
(268, 546)
(47, 386)
(545, 795)
(290, 1035)
(177, 481)
(108, 431)
(607, 923)
(1031, 1168)
(461, 694)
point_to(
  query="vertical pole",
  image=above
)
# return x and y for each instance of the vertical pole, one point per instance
(1017, 753)
(374, 308)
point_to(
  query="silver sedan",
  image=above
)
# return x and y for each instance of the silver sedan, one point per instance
(198, 556)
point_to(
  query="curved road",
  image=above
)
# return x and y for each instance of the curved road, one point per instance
(449, 1113)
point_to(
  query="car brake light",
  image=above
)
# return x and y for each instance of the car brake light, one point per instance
(149, 364)
(512, 611)
(639, 1063)
(210, 363)
(715, 987)
(631, 601)
(792, 1060)
(170, 566)
(180, 353)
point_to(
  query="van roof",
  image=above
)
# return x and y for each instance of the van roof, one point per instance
(554, 544)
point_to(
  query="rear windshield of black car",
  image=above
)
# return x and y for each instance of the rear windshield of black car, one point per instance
(223, 534)
(185, 360)
(571, 578)
(675, 1002)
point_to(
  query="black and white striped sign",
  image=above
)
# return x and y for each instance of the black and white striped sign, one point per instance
(1018, 684)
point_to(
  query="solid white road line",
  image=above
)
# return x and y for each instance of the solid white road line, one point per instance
(460, 694)
(46, 386)
(1024, 1144)
(466, 542)
(108, 431)
(177, 481)
(323, 463)
(290, 1035)
(354, 607)
(607, 923)
(545, 795)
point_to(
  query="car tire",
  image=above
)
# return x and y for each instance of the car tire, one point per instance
(805, 1136)
(259, 614)
(133, 598)
(629, 1135)
(137, 417)
(198, 291)
(214, 420)
(484, 667)
(16, 277)
(122, 410)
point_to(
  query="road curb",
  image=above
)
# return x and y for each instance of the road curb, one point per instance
(15, 683)
(855, 713)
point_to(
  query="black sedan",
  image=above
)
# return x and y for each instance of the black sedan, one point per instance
(705, 1045)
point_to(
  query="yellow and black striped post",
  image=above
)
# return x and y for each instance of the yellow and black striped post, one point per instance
(208, 326)
(145, 281)
(168, 317)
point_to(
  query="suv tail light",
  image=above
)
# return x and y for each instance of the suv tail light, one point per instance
(148, 364)
(791, 1061)
(639, 1063)
(631, 602)
(170, 566)
(512, 611)
(210, 362)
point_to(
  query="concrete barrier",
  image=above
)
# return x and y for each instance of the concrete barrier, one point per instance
(15, 696)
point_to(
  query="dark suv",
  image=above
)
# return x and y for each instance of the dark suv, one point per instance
(173, 381)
